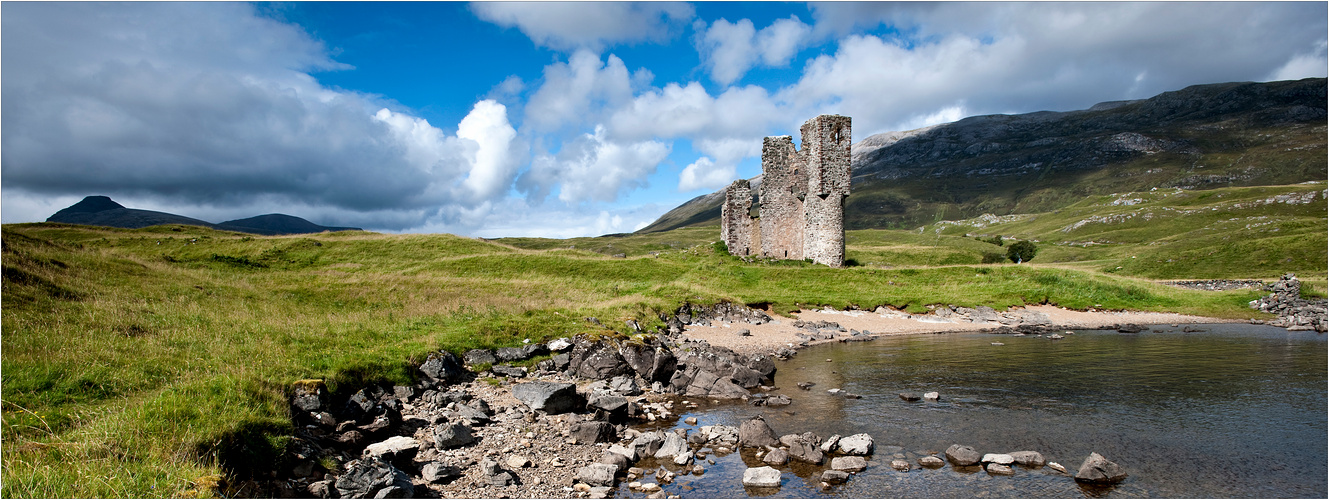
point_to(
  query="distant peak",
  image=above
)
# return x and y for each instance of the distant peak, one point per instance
(93, 204)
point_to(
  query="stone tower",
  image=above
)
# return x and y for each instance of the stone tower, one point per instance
(801, 197)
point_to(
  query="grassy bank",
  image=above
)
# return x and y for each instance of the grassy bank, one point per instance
(148, 362)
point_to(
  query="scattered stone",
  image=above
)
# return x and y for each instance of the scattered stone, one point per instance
(761, 477)
(322, 489)
(597, 474)
(450, 436)
(744, 333)
(648, 443)
(931, 396)
(962, 455)
(931, 462)
(1058, 467)
(690, 420)
(849, 464)
(910, 396)
(370, 478)
(518, 462)
(834, 476)
(1097, 469)
(777, 456)
(682, 459)
(615, 459)
(550, 397)
(673, 445)
(830, 444)
(807, 386)
(593, 432)
(435, 472)
(900, 465)
(999, 469)
(756, 433)
(998, 458)
(627, 451)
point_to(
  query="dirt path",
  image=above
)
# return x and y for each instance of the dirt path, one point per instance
(781, 332)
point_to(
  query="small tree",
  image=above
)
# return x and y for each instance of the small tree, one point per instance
(993, 257)
(1021, 251)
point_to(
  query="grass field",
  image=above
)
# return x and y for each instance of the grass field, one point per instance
(149, 362)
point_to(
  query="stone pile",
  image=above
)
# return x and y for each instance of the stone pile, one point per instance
(1294, 312)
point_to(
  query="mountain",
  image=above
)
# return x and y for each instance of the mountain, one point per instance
(1204, 136)
(103, 211)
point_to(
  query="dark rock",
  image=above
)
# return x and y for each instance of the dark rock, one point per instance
(617, 460)
(323, 489)
(756, 433)
(368, 478)
(360, 407)
(593, 432)
(807, 386)
(1130, 328)
(610, 403)
(561, 361)
(480, 357)
(763, 365)
(442, 368)
(963, 455)
(529, 351)
(450, 436)
(351, 439)
(803, 447)
(495, 475)
(910, 396)
(833, 476)
(549, 397)
(648, 443)
(1029, 458)
(624, 385)
(597, 360)
(438, 473)
(653, 363)
(508, 371)
(471, 415)
(1099, 470)
(510, 354)
(310, 396)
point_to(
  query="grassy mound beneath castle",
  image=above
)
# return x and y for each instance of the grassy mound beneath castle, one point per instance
(149, 362)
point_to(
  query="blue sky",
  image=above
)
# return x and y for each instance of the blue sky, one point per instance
(548, 119)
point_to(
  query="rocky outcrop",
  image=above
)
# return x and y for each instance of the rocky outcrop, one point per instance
(549, 397)
(1294, 312)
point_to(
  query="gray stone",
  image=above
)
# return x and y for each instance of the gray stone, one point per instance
(682, 459)
(626, 451)
(597, 360)
(830, 443)
(673, 445)
(849, 464)
(803, 447)
(777, 456)
(648, 443)
(910, 396)
(368, 477)
(761, 477)
(1028, 458)
(997, 458)
(480, 357)
(509, 371)
(598, 474)
(624, 385)
(900, 465)
(593, 432)
(1000, 470)
(620, 461)
(609, 403)
(931, 462)
(857, 444)
(450, 436)
(720, 433)
(962, 455)
(322, 489)
(435, 472)
(834, 476)
(398, 450)
(559, 345)
(756, 433)
(510, 354)
(550, 397)
(1099, 470)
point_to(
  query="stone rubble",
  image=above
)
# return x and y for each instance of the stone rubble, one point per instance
(1294, 312)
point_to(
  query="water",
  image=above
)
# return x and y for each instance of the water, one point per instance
(1235, 411)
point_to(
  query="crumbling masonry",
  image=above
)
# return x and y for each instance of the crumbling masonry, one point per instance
(800, 199)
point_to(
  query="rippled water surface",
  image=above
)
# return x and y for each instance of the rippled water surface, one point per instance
(1232, 411)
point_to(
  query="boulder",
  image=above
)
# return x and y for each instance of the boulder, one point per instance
(761, 477)
(612, 404)
(833, 476)
(962, 455)
(510, 354)
(745, 377)
(561, 361)
(720, 433)
(310, 396)
(1028, 458)
(471, 415)
(626, 451)
(373, 478)
(830, 443)
(1099, 470)
(549, 397)
(438, 473)
(448, 436)
(509, 371)
(397, 450)
(777, 456)
(529, 351)
(322, 489)
(597, 360)
(479, 357)
(441, 368)
(857, 444)
(803, 447)
(756, 433)
(593, 432)
(653, 363)
(648, 443)
(624, 385)
(674, 444)
(617, 460)
(598, 474)
(849, 464)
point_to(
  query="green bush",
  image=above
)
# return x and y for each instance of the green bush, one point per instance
(993, 258)
(1021, 251)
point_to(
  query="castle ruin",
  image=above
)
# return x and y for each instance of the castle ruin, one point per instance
(800, 199)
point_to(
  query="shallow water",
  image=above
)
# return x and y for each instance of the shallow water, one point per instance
(1233, 411)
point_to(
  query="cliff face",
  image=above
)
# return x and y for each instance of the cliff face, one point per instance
(1230, 134)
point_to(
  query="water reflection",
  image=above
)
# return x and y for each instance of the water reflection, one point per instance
(1235, 411)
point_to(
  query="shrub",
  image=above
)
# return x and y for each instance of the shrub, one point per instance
(995, 240)
(993, 257)
(1021, 251)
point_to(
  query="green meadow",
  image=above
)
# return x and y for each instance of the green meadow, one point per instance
(155, 362)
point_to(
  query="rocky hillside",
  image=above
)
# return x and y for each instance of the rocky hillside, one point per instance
(103, 211)
(1204, 136)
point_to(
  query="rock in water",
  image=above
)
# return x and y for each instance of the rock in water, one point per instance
(931, 462)
(849, 464)
(550, 397)
(998, 458)
(999, 469)
(857, 444)
(1029, 458)
(673, 445)
(834, 476)
(761, 477)
(962, 455)
(756, 433)
(776, 457)
(1099, 470)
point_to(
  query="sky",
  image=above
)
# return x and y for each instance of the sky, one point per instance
(548, 119)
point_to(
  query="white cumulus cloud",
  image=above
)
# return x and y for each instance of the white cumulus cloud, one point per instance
(587, 25)
(730, 49)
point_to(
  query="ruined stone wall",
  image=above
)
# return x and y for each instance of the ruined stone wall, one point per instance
(736, 224)
(826, 141)
(783, 185)
(801, 197)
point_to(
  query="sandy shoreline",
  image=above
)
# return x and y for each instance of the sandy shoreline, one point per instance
(768, 337)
